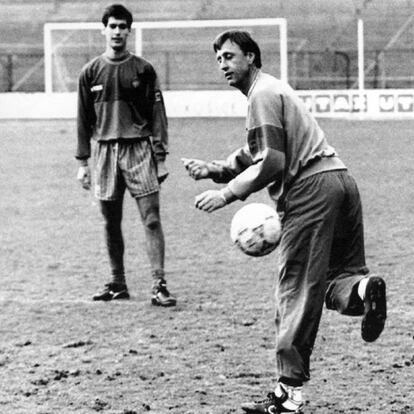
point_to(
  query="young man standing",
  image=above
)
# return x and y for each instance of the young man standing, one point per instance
(120, 107)
(321, 252)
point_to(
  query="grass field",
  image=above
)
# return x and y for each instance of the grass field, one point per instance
(62, 353)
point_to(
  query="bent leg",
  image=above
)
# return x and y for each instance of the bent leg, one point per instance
(347, 265)
(346, 294)
(312, 206)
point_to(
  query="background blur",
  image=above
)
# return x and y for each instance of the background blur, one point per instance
(322, 40)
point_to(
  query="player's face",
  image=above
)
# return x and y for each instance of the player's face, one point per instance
(235, 64)
(116, 33)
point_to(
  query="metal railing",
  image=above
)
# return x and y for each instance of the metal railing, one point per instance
(24, 71)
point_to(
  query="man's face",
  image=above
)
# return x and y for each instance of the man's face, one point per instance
(116, 33)
(234, 63)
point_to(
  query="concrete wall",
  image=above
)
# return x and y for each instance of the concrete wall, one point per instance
(369, 104)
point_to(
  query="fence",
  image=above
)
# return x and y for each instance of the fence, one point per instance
(330, 69)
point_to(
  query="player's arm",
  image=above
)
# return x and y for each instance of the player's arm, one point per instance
(267, 167)
(219, 171)
(266, 139)
(85, 122)
(199, 169)
(235, 163)
(159, 135)
(212, 199)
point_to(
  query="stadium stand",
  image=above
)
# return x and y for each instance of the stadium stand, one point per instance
(321, 33)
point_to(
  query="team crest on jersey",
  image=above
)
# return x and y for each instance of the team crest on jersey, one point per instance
(135, 83)
(96, 88)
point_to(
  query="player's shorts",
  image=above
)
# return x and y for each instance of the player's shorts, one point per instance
(120, 165)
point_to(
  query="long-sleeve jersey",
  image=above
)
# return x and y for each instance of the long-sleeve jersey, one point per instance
(120, 99)
(284, 141)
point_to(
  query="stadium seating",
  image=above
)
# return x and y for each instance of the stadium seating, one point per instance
(315, 26)
(321, 21)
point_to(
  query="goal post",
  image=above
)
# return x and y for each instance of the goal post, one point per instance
(280, 23)
(52, 47)
(68, 46)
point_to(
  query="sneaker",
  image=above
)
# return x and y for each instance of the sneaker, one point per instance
(112, 291)
(375, 312)
(271, 405)
(161, 296)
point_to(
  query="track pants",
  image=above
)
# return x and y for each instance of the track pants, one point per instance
(322, 258)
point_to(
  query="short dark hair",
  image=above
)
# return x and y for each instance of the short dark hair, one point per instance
(118, 11)
(241, 38)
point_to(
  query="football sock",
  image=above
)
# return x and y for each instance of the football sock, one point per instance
(158, 274)
(294, 395)
(362, 287)
(118, 278)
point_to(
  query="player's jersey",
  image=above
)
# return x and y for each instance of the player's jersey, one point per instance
(120, 99)
(284, 142)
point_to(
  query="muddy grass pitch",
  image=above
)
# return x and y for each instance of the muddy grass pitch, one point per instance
(62, 353)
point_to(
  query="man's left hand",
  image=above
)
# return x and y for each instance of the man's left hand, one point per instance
(210, 200)
(161, 171)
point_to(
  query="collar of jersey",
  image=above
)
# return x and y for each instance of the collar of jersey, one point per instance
(254, 83)
(116, 61)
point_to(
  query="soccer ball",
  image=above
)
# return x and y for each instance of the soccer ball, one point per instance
(256, 229)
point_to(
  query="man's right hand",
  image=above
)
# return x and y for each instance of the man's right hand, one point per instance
(84, 176)
(197, 169)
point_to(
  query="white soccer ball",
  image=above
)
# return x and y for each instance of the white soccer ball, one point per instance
(256, 229)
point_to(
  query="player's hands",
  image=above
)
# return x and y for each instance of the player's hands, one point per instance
(197, 169)
(84, 176)
(210, 200)
(162, 172)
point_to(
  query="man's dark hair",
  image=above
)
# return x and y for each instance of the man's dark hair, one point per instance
(241, 38)
(118, 11)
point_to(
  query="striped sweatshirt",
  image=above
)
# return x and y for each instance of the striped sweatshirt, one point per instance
(120, 99)
(284, 143)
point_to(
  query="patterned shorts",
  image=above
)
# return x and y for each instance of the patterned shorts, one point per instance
(124, 165)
